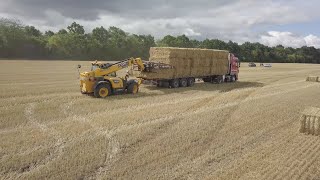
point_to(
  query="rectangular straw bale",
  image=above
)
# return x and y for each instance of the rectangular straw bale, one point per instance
(190, 54)
(191, 62)
(207, 62)
(197, 54)
(183, 72)
(202, 53)
(158, 74)
(204, 71)
(208, 53)
(311, 111)
(196, 62)
(313, 78)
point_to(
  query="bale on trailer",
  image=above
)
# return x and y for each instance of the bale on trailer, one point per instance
(188, 62)
(313, 78)
(310, 121)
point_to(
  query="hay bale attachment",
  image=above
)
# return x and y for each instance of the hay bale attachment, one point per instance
(310, 121)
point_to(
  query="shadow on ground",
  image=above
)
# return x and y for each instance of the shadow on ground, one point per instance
(222, 88)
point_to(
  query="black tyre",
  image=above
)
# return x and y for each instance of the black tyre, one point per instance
(191, 81)
(102, 90)
(183, 82)
(174, 83)
(206, 79)
(233, 78)
(133, 88)
(220, 79)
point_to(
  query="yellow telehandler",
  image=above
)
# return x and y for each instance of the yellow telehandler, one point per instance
(102, 80)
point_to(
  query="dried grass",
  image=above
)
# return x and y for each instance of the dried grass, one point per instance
(48, 130)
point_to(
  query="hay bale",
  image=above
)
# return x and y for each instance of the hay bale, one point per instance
(310, 121)
(191, 62)
(303, 124)
(157, 74)
(313, 78)
(317, 126)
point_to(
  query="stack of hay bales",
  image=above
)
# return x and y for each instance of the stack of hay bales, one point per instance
(310, 121)
(313, 78)
(188, 62)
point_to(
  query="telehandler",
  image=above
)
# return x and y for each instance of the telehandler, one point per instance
(102, 80)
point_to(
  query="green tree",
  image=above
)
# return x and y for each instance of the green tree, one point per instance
(32, 31)
(49, 33)
(76, 28)
(62, 31)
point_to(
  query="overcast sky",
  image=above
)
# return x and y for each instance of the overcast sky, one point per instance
(292, 23)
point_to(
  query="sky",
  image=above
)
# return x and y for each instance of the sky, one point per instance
(292, 23)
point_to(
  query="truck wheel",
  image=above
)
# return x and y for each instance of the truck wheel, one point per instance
(159, 83)
(133, 88)
(220, 79)
(102, 91)
(233, 78)
(183, 82)
(206, 79)
(191, 81)
(174, 83)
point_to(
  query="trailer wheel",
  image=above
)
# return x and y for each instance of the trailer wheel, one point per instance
(233, 78)
(220, 79)
(208, 79)
(174, 83)
(191, 81)
(183, 82)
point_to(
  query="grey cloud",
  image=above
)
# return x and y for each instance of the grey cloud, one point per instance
(91, 9)
(235, 20)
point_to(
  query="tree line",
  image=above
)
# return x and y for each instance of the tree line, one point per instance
(18, 41)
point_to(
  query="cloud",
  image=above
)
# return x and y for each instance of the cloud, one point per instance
(288, 39)
(312, 40)
(236, 20)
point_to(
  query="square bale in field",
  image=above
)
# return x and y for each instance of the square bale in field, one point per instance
(313, 78)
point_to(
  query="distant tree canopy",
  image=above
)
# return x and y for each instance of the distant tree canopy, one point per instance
(27, 42)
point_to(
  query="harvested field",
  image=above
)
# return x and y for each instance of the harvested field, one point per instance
(243, 130)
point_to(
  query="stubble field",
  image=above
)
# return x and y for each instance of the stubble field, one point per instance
(245, 130)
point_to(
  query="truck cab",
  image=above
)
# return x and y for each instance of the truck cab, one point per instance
(234, 68)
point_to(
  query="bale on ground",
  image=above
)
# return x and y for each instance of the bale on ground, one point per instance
(313, 78)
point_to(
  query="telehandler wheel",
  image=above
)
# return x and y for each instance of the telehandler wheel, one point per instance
(102, 91)
(183, 82)
(133, 88)
(190, 81)
(174, 83)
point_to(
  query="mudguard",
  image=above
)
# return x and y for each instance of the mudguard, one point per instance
(101, 82)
